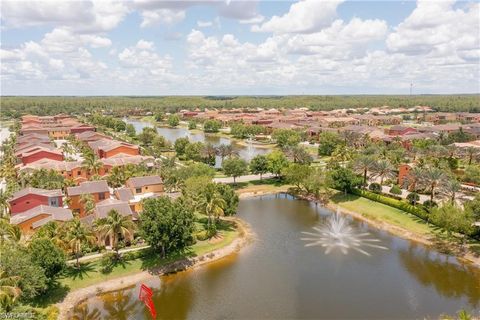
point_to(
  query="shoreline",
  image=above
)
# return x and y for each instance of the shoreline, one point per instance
(78, 296)
(400, 232)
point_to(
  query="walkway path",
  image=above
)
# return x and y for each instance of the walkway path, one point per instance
(247, 178)
(99, 255)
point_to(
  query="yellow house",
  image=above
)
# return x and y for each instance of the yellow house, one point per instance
(134, 201)
(141, 185)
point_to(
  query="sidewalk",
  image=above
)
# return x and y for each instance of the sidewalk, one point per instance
(99, 255)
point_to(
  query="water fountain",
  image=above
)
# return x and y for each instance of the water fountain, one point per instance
(249, 149)
(337, 234)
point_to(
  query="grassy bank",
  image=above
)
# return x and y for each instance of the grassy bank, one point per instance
(383, 213)
(90, 273)
(265, 186)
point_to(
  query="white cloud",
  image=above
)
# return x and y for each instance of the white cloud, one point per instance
(82, 16)
(303, 17)
(161, 16)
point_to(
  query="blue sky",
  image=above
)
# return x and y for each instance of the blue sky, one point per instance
(147, 47)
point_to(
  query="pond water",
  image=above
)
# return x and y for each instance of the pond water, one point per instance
(172, 134)
(277, 276)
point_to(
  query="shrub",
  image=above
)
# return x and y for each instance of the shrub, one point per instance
(413, 198)
(108, 261)
(401, 205)
(202, 235)
(428, 204)
(375, 187)
(395, 190)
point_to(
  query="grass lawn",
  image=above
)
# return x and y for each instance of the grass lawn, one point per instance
(261, 186)
(90, 272)
(380, 212)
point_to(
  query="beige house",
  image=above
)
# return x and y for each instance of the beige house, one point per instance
(147, 184)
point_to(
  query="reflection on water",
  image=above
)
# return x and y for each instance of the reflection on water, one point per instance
(172, 134)
(277, 277)
(449, 278)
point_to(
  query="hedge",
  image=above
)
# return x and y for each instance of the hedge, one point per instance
(401, 205)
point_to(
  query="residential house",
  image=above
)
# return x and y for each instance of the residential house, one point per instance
(34, 218)
(29, 198)
(399, 130)
(140, 185)
(98, 189)
(37, 153)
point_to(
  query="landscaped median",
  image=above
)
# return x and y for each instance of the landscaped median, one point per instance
(89, 279)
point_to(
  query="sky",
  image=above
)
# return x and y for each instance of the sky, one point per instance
(206, 47)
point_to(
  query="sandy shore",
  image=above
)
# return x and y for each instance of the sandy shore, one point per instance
(73, 298)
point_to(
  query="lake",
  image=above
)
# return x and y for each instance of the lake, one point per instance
(277, 276)
(172, 134)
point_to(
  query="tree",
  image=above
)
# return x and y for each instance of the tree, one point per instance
(230, 197)
(363, 164)
(299, 155)
(15, 261)
(375, 187)
(3, 204)
(341, 154)
(276, 162)
(328, 141)
(91, 163)
(52, 231)
(286, 137)
(114, 226)
(173, 120)
(48, 256)
(159, 144)
(9, 232)
(9, 291)
(212, 204)
(433, 178)
(159, 116)
(341, 178)
(296, 174)
(471, 153)
(193, 151)
(383, 169)
(208, 153)
(167, 225)
(226, 150)
(130, 130)
(146, 136)
(235, 167)
(192, 124)
(259, 165)
(452, 219)
(88, 202)
(212, 126)
(44, 179)
(450, 189)
(316, 185)
(413, 198)
(77, 234)
(180, 145)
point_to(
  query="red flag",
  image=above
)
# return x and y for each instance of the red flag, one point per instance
(146, 296)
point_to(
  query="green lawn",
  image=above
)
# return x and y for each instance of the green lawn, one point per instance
(380, 212)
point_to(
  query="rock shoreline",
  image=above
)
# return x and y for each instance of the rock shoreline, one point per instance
(76, 297)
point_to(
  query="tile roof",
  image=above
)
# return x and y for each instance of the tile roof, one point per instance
(37, 191)
(104, 207)
(139, 182)
(88, 187)
(124, 194)
(56, 213)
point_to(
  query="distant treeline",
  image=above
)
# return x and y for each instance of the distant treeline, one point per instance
(15, 106)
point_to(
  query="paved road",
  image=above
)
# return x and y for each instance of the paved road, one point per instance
(247, 178)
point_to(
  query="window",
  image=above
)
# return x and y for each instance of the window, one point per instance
(138, 190)
(79, 173)
(146, 188)
(101, 196)
(54, 202)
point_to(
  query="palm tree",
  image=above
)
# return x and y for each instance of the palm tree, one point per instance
(9, 290)
(91, 163)
(471, 153)
(117, 177)
(212, 203)
(3, 204)
(363, 164)
(383, 169)
(88, 203)
(114, 226)
(433, 178)
(450, 188)
(342, 154)
(208, 152)
(78, 234)
(226, 150)
(9, 231)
